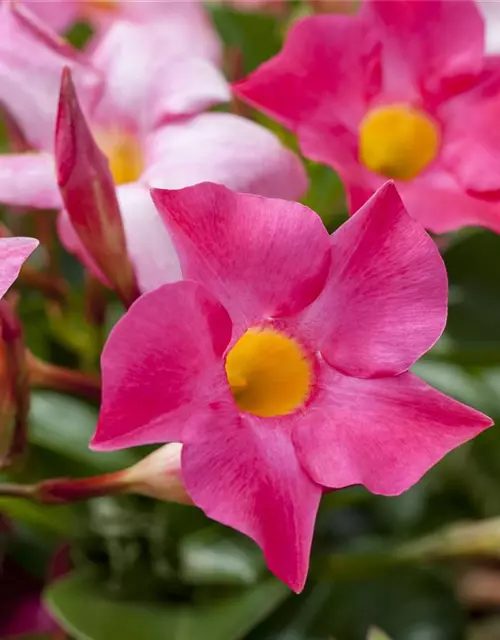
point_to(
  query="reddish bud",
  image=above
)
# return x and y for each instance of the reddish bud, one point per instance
(157, 476)
(89, 193)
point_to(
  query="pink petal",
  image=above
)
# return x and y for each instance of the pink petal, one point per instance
(29, 180)
(148, 243)
(162, 367)
(13, 253)
(247, 476)
(428, 42)
(491, 14)
(384, 303)
(185, 26)
(383, 433)
(31, 62)
(327, 59)
(57, 14)
(151, 74)
(442, 205)
(228, 150)
(471, 148)
(259, 257)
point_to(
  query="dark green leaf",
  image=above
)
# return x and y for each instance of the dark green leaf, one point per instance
(65, 425)
(82, 605)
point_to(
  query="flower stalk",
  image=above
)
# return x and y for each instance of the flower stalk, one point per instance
(45, 375)
(157, 476)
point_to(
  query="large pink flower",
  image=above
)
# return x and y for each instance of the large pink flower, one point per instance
(281, 362)
(13, 253)
(145, 116)
(402, 90)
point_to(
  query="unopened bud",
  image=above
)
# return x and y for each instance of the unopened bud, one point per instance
(159, 475)
(89, 194)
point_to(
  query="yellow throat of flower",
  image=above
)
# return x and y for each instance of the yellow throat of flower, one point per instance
(269, 373)
(398, 141)
(124, 153)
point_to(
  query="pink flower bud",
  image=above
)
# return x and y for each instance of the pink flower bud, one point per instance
(89, 193)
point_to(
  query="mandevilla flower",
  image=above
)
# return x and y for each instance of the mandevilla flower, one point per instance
(13, 253)
(183, 18)
(402, 90)
(281, 361)
(145, 117)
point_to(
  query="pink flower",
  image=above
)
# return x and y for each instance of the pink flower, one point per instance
(142, 99)
(281, 362)
(179, 17)
(402, 90)
(13, 253)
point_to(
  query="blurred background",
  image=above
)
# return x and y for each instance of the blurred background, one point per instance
(422, 566)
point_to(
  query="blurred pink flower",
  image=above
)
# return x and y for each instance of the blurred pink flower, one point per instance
(13, 253)
(142, 97)
(402, 90)
(281, 363)
(176, 15)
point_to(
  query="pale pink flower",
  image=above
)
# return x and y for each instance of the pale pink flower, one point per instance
(13, 253)
(143, 99)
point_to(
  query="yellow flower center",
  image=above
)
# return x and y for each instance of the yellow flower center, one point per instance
(269, 373)
(398, 141)
(124, 153)
(106, 6)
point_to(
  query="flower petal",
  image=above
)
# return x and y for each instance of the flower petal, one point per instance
(149, 246)
(428, 42)
(162, 367)
(186, 26)
(383, 433)
(384, 303)
(57, 14)
(247, 476)
(442, 205)
(13, 253)
(31, 62)
(472, 145)
(327, 59)
(29, 180)
(148, 243)
(228, 150)
(151, 75)
(491, 14)
(259, 257)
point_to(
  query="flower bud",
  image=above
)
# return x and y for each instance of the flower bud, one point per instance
(89, 193)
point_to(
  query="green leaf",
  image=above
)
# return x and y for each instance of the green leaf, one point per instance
(81, 604)
(256, 36)
(212, 557)
(474, 275)
(58, 521)
(65, 425)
